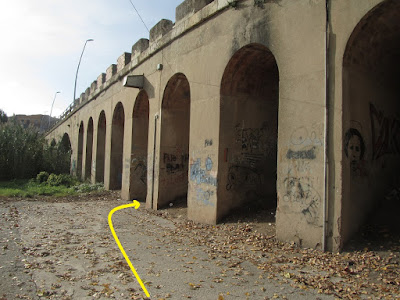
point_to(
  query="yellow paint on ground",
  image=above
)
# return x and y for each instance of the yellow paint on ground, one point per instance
(136, 205)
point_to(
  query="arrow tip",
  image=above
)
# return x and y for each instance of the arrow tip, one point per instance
(136, 204)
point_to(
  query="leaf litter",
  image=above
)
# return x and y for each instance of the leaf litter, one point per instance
(358, 274)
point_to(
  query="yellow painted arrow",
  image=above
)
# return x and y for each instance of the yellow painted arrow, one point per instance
(136, 205)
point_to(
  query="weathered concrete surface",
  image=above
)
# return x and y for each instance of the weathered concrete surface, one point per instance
(68, 252)
(64, 249)
(272, 90)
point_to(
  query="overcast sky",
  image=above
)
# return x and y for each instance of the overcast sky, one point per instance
(42, 41)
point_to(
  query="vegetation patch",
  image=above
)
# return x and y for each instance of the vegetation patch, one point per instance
(56, 185)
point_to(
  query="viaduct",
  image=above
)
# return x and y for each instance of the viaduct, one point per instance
(290, 103)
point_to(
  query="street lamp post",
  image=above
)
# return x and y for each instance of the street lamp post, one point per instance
(77, 69)
(51, 110)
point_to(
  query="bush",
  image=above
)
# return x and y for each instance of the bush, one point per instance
(24, 153)
(56, 158)
(87, 187)
(21, 151)
(61, 179)
(42, 177)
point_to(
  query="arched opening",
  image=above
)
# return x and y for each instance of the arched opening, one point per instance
(53, 143)
(174, 147)
(101, 147)
(89, 149)
(65, 148)
(140, 132)
(117, 143)
(247, 169)
(371, 124)
(80, 152)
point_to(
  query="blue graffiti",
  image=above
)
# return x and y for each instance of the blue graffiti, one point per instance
(204, 197)
(199, 175)
(209, 164)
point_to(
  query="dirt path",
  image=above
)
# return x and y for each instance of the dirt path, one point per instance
(64, 250)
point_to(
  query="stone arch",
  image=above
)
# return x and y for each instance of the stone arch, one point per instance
(117, 145)
(101, 147)
(371, 106)
(80, 151)
(174, 146)
(66, 142)
(140, 132)
(247, 168)
(66, 148)
(89, 149)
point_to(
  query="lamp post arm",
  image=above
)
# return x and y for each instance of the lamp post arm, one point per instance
(77, 69)
(51, 110)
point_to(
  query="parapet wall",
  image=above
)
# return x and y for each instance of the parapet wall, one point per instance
(188, 14)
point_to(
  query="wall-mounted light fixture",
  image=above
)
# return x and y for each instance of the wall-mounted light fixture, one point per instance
(134, 81)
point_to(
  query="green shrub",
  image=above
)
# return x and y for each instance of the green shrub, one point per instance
(42, 177)
(24, 153)
(21, 151)
(56, 158)
(87, 187)
(61, 179)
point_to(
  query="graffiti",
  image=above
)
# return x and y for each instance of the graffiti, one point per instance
(311, 211)
(209, 164)
(208, 143)
(354, 148)
(141, 170)
(302, 136)
(248, 159)
(169, 157)
(304, 196)
(303, 154)
(172, 164)
(204, 197)
(200, 175)
(73, 165)
(256, 140)
(173, 168)
(299, 166)
(239, 177)
(385, 133)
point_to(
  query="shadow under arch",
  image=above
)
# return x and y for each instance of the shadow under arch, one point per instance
(66, 148)
(117, 145)
(79, 166)
(101, 147)
(248, 132)
(174, 146)
(371, 123)
(89, 149)
(139, 154)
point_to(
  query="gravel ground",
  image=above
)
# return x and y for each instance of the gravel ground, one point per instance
(63, 249)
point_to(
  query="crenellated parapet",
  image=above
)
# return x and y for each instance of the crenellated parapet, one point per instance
(123, 60)
(188, 14)
(101, 79)
(111, 71)
(160, 29)
(139, 47)
(189, 7)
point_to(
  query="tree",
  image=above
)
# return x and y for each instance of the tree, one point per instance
(24, 153)
(3, 116)
(21, 151)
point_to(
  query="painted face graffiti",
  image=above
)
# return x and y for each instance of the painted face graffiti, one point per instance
(354, 150)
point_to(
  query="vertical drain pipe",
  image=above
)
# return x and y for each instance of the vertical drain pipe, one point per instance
(154, 159)
(156, 116)
(326, 127)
